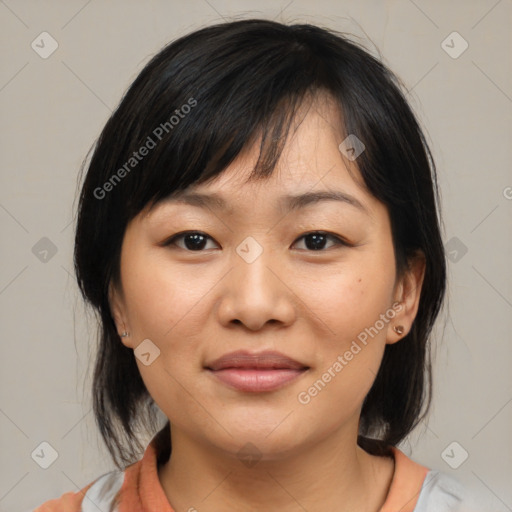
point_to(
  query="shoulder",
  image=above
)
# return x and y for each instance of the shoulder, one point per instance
(416, 488)
(105, 492)
(443, 493)
(101, 491)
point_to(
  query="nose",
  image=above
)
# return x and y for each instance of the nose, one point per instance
(256, 293)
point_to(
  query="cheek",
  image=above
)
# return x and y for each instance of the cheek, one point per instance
(168, 305)
(350, 299)
(165, 307)
(165, 300)
(351, 305)
(348, 360)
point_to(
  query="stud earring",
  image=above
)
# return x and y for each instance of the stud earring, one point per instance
(124, 335)
(399, 329)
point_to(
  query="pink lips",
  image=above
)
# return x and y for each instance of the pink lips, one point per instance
(263, 371)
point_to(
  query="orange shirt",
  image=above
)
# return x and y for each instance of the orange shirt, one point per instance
(141, 490)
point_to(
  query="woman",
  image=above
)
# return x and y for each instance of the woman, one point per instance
(258, 231)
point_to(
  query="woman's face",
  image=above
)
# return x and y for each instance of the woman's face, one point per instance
(252, 281)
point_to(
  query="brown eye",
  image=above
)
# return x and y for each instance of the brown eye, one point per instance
(192, 240)
(316, 240)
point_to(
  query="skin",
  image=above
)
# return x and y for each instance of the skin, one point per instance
(196, 305)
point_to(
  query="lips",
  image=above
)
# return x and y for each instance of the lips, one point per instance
(256, 372)
(262, 360)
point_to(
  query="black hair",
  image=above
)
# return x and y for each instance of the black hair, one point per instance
(195, 106)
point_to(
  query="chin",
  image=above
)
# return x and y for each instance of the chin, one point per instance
(262, 443)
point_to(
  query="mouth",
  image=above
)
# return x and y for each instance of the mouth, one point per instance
(256, 373)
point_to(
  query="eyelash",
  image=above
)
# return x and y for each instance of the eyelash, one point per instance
(338, 240)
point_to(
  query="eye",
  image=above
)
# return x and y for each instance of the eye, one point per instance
(193, 240)
(315, 240)
(196, 241)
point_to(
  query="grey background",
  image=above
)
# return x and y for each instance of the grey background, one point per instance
(54, 108)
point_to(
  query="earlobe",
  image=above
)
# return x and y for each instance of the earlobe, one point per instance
(117, 312)
(407, 295)
(399, 329)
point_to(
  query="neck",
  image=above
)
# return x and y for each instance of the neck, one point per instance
(332, 475)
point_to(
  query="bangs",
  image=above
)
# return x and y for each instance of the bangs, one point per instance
(201, 163)
(235, 104)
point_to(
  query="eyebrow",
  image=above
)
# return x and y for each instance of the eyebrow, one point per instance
(288, 202)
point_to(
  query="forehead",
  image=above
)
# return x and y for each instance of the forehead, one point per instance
(311, 169)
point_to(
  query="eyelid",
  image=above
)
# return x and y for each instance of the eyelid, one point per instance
(339, 240)
(171, 239)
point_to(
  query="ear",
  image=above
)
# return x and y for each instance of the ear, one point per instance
(407, 298)
(117, 309)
